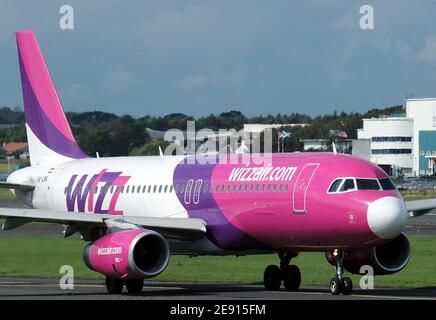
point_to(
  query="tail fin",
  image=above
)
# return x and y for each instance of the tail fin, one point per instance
(49, 135)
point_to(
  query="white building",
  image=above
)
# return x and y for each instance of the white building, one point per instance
(406, 143)
(315, 144)
(258, 127)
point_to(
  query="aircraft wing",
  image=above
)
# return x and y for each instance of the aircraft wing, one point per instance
(177, 228)
(17, 186)
(419, 207)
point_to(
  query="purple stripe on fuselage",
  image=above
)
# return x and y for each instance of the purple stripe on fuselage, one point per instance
(220, 230)
(40, 124)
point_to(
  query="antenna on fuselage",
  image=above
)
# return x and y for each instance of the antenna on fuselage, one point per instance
(334, 148)
(97, 155)
(160, 152)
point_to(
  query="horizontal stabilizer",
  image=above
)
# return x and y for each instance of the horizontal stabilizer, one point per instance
(16, 186)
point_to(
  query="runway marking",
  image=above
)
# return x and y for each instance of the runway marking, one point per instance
(84, 285)
(364, 296)
(79, 285)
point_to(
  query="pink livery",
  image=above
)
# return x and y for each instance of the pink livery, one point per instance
(137, 211)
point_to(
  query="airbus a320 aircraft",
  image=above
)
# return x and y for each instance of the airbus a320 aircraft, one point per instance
(137, 211)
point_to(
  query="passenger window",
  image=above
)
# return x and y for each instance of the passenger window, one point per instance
(335, 185)
(367, 184)
(386, 184)
(348, 185)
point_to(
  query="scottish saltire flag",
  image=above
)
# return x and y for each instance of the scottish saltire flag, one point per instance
(284, 134)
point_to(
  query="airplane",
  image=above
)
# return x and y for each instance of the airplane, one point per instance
(136, 212)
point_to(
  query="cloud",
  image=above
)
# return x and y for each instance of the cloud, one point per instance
(120, 80)
(428, 53)
(211, 80)
(75, 96)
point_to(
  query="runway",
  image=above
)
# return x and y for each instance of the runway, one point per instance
(29, 288)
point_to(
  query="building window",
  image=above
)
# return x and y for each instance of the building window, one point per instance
(391, 139)
(391, 151)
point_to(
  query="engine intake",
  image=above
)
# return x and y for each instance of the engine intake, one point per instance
(128, 254)
(388, 258)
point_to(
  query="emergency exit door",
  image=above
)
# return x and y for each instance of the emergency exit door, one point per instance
(301, 185)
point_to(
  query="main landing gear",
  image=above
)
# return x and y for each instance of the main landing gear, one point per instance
(340, 284)
(289, 274)
(115, 286)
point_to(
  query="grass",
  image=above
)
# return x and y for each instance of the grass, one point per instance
(42, 256)
(6, 195)
(418, 194)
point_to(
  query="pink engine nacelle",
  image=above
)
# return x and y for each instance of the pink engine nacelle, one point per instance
(128, 254)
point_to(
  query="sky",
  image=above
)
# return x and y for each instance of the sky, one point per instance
(210, 56)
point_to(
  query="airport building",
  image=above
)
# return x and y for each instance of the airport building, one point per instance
(404, 144)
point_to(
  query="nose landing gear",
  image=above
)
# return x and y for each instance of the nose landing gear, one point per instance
(340, 284)
(289, 274)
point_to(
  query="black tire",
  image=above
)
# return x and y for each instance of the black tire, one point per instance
(291, 278)
(335, 286)
(134, 286)
(347, 286)
(272, 278)
(114, 286)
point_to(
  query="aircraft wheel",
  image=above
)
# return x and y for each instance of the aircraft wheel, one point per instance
(291, 278)
(114, 286)
(347, 286)
(134, 285)
(272, 278)
(335, 286)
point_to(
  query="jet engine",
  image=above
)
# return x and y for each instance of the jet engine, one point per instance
(128, 254)
(388, 258)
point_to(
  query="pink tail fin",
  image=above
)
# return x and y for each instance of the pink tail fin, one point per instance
(48, 132)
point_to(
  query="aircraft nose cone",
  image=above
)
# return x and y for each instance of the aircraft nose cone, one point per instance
(387, 216)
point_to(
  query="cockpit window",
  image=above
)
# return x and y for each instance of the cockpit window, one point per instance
(367, 184)
(347, 185)
(386, 184)
(335, 185)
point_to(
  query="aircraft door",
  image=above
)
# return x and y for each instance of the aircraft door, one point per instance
(300, 187)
